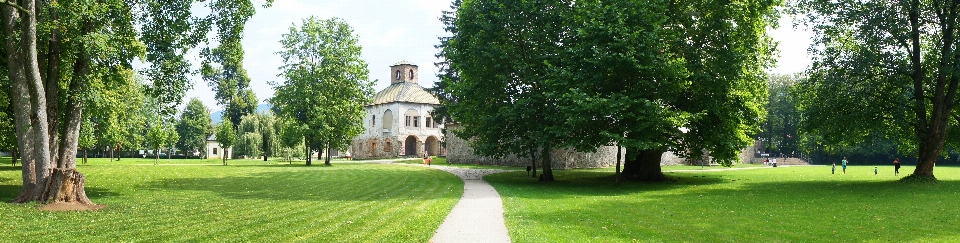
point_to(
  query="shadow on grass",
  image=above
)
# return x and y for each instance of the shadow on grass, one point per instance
(328, 184)
(595, 183)
(11, 168)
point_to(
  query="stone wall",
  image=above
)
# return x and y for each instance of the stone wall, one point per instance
(374, 148)
(458, 151)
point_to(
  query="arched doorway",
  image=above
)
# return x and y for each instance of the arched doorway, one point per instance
(410, 145)
(432, 146)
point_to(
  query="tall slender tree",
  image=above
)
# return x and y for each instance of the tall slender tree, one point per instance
(227, 137)
(326, 83)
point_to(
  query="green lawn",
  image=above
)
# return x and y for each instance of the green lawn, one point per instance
(249, 201)
(785, 204)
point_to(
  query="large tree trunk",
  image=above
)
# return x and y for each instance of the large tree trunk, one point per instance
(643, 165)
(66, 185)
(34, 139)
(932, 132)
(547, 164)
(21, 104)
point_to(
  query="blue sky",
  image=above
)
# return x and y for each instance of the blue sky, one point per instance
(391, 31)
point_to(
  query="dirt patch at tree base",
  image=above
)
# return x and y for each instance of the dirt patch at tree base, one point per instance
(60, 206)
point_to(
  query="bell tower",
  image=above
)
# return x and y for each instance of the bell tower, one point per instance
(403, 71)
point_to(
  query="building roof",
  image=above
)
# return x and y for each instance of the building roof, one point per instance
(212, 137)
(404, 62)
(404, 92)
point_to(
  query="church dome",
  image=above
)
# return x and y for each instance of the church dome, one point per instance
(405, 92)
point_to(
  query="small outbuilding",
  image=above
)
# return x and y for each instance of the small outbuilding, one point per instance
(214, 151)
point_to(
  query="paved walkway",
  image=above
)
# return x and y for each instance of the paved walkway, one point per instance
(478, 216)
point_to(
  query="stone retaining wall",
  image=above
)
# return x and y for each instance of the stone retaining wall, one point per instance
(459, 152)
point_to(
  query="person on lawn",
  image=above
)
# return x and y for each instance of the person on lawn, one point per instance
(896, 167)
(833, 170)
(844, 162)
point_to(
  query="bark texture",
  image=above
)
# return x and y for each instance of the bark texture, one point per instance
(643, 165)
(547, 174)
(66, 185)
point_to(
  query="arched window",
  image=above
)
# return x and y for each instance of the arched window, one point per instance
(398, 75)
(387, 119)
(411, 75)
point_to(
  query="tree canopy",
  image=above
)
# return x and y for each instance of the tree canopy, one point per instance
(652, 76)
(883, 69)
(227, 137)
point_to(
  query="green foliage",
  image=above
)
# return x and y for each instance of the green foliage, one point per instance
(225, 134)
(250, 139)
(170, 30)
(227, 137)
(524, 75)
(754, 205)
(883, 71)
(781, 124)
(118, 111)
(8, 141)
(194, 127)
(326, 83)
(290, 136)
(366, 203)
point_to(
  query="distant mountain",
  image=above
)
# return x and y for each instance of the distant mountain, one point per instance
(217, 116)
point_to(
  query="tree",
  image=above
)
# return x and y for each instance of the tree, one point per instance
(290, 133)
(780, 132)
(325, 83)
(79, 43)
(226, 137)
(194, 126)
(512, 115)
(883, 70)
(87, 138)
(156, 139)
(249, 139)
(268, 134)
(650, 76)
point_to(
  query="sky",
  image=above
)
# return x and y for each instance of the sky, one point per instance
(393, 31)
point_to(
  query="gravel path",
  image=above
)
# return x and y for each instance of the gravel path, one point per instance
(478, 216)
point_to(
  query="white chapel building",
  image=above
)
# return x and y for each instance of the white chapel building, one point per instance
(398, 122)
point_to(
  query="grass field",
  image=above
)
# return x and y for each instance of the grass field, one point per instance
(443, 161)
(249, 201)
(785, 204)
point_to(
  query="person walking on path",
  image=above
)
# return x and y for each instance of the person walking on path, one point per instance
(833, 170)
(896, 167)
(844, 162)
